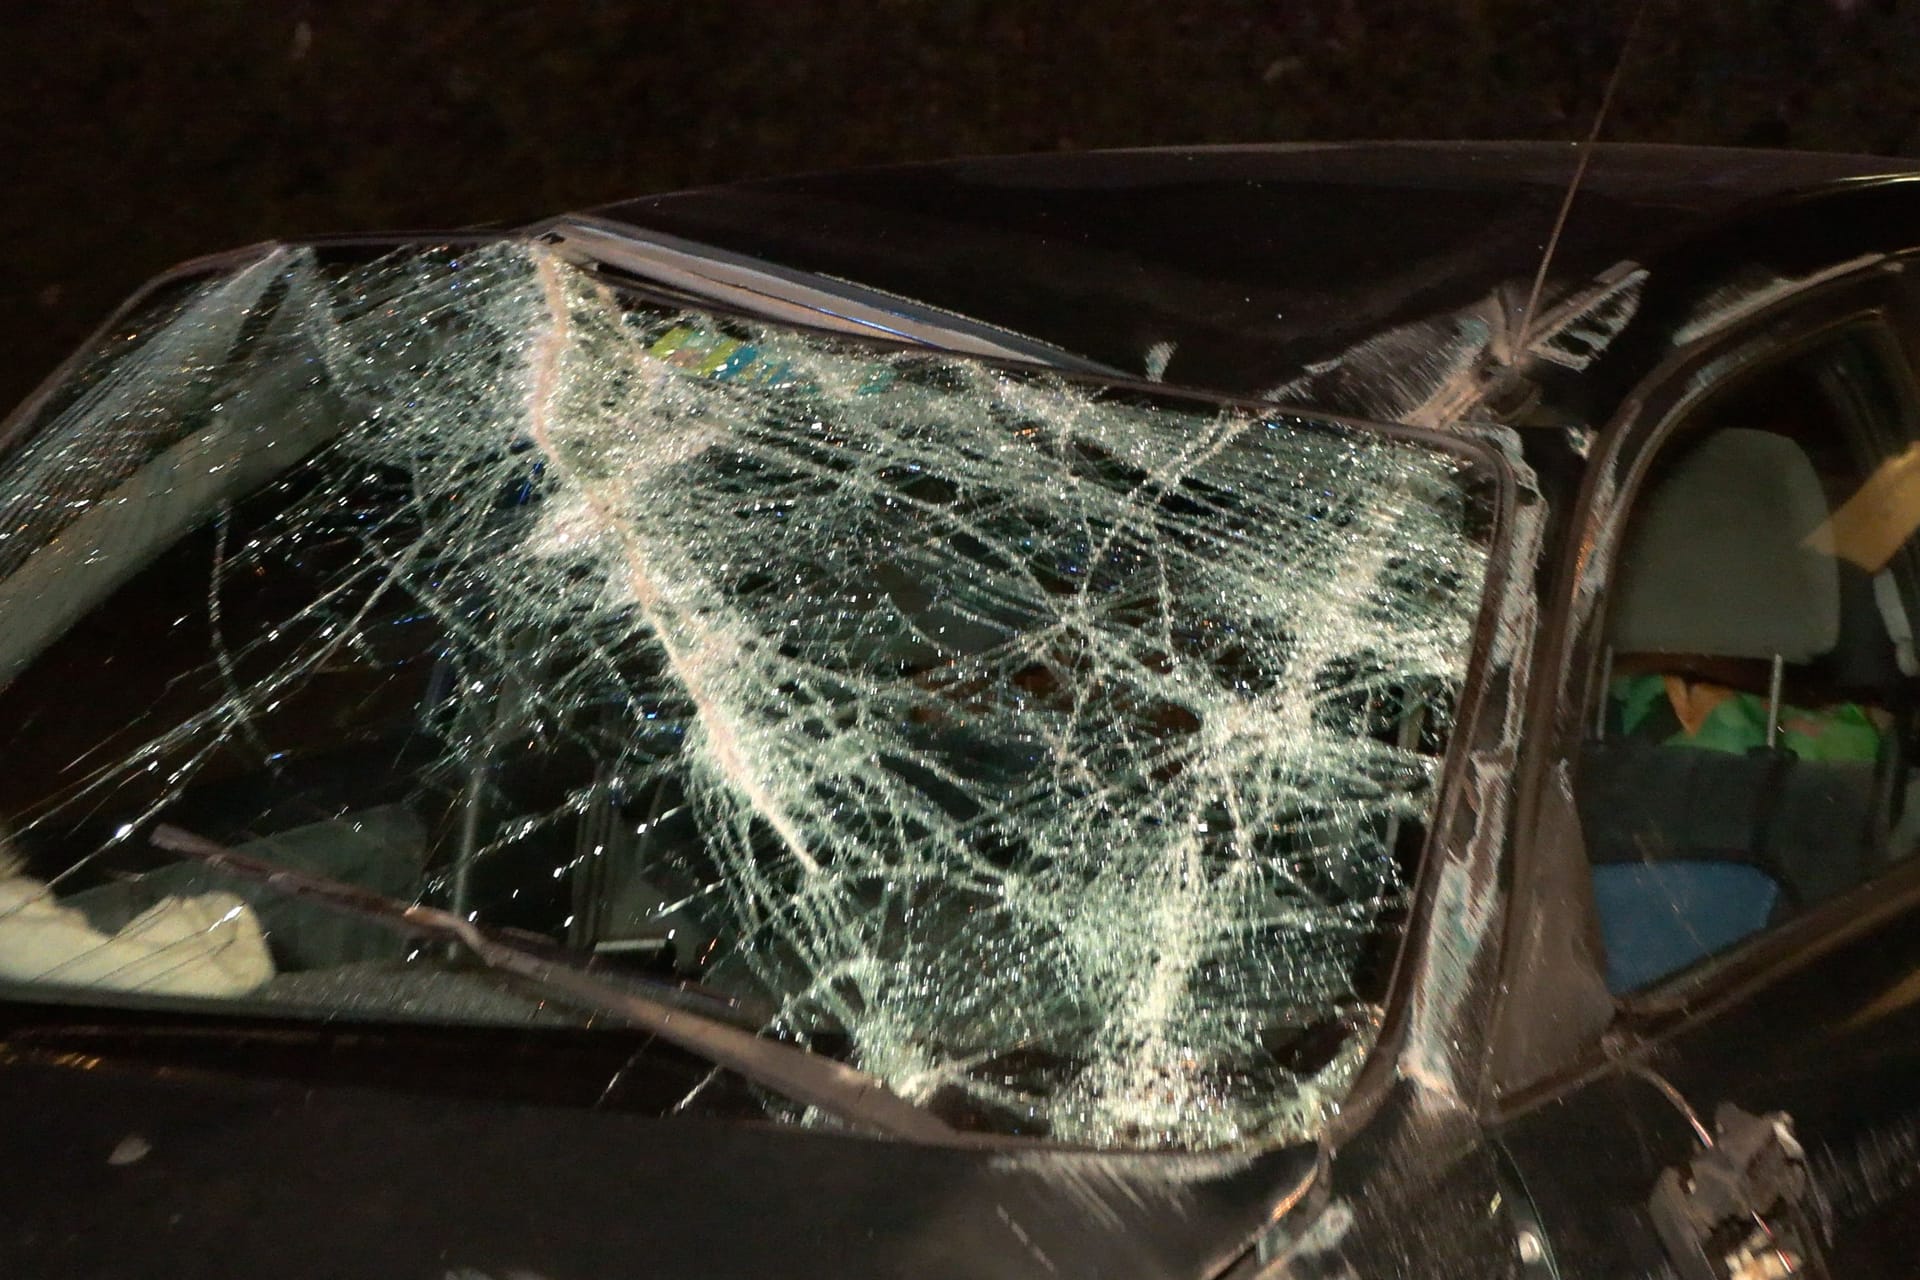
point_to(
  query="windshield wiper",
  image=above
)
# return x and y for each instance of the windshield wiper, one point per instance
(834, 1087)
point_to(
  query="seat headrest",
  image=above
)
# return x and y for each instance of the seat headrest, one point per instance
(1715, 561)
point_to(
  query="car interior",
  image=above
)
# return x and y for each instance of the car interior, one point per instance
(1750, 755)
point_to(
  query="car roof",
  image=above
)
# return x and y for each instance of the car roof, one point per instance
(1253, 262)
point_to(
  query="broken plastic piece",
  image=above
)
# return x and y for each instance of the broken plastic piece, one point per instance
(209, 945)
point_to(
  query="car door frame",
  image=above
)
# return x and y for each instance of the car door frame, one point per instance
(1551, 893)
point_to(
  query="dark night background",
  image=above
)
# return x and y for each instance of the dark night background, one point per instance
(140, 134)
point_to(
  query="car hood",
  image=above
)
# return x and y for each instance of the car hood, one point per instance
(162, 1174)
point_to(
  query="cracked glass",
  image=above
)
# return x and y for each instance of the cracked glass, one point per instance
(1059, 755)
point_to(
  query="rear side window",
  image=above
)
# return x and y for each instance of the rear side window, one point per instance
(1753, 744)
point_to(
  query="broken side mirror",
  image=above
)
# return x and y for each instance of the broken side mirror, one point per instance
(1739, 1210)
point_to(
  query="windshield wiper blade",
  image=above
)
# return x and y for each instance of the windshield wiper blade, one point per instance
(844, 1092)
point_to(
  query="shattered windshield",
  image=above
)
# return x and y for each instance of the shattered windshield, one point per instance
(1057, 755)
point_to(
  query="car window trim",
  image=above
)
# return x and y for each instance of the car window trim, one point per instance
(790, 296)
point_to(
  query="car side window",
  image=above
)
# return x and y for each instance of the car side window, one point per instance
(1752, 751)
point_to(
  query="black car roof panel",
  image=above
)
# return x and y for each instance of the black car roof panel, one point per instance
(1253, 262)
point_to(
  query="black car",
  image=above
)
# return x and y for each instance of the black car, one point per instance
(1274, 711)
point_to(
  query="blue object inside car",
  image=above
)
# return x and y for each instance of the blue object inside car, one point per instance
(1657, 918)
